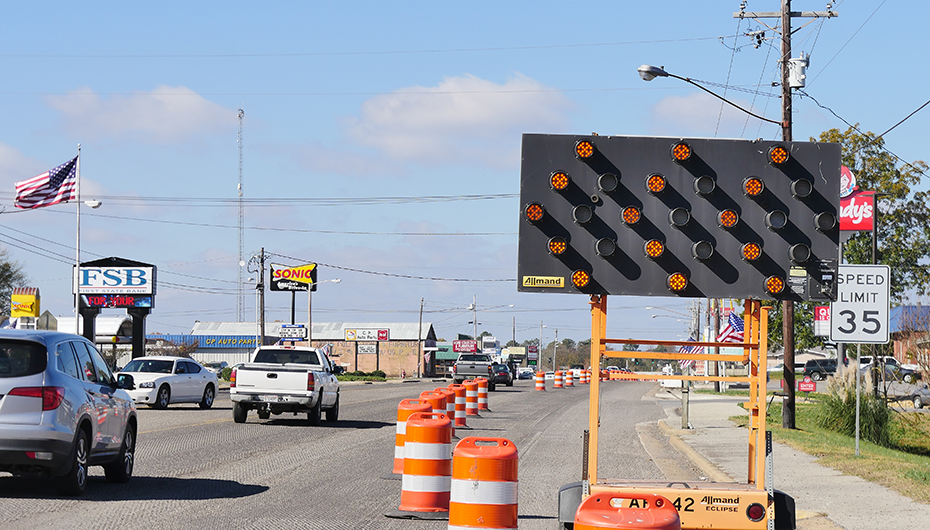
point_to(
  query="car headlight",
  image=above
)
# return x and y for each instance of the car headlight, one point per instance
(149, 384)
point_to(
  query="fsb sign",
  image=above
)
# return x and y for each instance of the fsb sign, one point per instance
(112, 276)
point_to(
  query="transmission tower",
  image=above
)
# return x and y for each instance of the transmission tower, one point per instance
(240, 298)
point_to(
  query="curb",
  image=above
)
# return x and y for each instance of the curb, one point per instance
(709, 468)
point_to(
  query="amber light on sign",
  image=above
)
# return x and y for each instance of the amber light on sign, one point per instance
(774, 285)
(677, 282)
(559, 180)
(534, 212)
(584, 149)
(580, 278)
(655, 183)
(557, 245)
(778, 155)
(631, 215)
(753, 186)
(751, 251)
(654, 248)
(727, 218)
(681, 151)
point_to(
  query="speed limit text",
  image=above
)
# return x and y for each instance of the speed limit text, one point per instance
(864, 296)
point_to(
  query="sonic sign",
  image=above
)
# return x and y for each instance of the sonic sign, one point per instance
(299, 278)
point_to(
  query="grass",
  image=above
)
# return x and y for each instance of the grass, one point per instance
(904, 467)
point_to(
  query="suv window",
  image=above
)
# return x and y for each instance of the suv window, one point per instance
(84, 363)
(21, 358)
(67, 364)
(104, 375)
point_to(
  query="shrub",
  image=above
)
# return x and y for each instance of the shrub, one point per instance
(836, 410)
(225, 373)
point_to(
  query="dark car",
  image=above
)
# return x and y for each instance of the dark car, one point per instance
(921, 397)
(819, 369)
(500, 375)
(892, 372)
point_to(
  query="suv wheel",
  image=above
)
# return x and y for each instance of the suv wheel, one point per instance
(75, 480)
(120, 470)
(909, 378)
(816, 376)
(918, 403)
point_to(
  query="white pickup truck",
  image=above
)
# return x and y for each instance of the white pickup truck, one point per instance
(286, 379)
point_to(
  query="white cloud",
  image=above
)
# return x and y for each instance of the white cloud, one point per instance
(462, 119)
(697, 115)
(164, 115)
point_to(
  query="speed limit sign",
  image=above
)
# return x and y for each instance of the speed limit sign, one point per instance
(860, 312)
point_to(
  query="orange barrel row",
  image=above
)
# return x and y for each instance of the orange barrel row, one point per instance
(558, 379)
(643, 510)
(427, 477)
(540, 381)
(482, 393)
(404, 410)
(471, 397)
(459, 404)
(450, 404)
(568, 379)
(484, 484)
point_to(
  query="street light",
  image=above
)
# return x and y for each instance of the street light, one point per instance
(648, 73)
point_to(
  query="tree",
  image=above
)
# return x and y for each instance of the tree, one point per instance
(903, 217)
(11, 276)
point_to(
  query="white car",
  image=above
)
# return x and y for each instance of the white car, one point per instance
(162, 380)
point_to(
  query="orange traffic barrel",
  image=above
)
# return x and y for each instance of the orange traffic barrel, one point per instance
(484, 484)
(459, 404)
(642, 511)
(558, 379)
(436, 399)
(450, 403)
(471, 397)
(540, 381)
(586, 377)
(482, 393)
(427, 463)
(404, 410)
(568, 378)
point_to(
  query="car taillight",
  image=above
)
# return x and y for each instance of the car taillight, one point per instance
(51, 396)
(490, 371)
(232, 379)
(311, 382)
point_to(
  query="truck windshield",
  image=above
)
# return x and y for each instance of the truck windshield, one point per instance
(287, 356)
(474, 358)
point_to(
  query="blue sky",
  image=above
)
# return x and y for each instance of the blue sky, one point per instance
(388, 99)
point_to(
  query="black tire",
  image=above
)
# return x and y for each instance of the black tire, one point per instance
(816, 376)
(510, 383)
(163, 397)
(313, 417)
(492, 387)
(918, 403)
(264, 414)
(209, 395)
(74, 481)
(240, 413)
(332, 414)
(120, 470)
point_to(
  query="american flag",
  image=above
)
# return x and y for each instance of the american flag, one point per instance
(685, 363)
(51, 187)
(733, 331)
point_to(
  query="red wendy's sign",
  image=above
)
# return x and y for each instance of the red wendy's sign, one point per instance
(857, 211)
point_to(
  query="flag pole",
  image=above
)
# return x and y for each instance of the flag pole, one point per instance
(77, 266)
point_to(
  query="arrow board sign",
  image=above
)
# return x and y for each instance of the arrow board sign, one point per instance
(860, 313)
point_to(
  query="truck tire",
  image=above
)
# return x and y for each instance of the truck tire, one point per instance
(240, 413)
(332, 414)
(313, 417)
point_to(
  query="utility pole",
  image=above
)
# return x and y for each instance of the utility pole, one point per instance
(420, 339)
(240, 296)
(474, 315)
(261, 297)
(788, 407)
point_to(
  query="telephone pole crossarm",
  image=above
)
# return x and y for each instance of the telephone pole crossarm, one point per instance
(792, 14)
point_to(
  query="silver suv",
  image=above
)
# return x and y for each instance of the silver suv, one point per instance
(62, 410)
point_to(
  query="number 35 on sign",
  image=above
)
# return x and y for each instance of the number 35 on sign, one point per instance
(860, 313)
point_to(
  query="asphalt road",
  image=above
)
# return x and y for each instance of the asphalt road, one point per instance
(198, 469)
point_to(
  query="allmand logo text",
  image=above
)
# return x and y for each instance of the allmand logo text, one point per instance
(543, 281)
